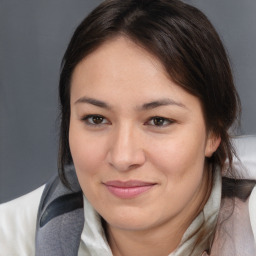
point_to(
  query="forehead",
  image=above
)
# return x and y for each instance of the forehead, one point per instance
(118, 59)
(123, 48)
(121, 70)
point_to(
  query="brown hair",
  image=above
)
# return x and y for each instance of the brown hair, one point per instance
(185, 42)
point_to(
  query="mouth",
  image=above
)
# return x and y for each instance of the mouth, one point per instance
(128, 189)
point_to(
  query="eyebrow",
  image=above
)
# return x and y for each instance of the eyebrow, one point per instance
(160, 103)
(145, 106)
(94, 102)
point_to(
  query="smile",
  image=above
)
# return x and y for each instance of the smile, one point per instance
(128, 189)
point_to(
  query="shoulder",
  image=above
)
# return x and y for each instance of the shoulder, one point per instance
(235, 234)
(252, 211)
(18, 224)
(246, 151)
(245, 147)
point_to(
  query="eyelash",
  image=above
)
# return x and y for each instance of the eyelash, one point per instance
(88, 119)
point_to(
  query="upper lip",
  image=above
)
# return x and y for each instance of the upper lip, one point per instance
(128, 184)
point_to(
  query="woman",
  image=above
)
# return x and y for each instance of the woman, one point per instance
(147, 99)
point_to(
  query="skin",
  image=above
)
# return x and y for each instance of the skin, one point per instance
(127, 88)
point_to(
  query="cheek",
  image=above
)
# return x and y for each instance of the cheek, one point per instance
(86, 157)
(87, 153)
(179, 156)
(182, 164)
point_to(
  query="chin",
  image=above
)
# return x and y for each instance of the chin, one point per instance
(131, 220)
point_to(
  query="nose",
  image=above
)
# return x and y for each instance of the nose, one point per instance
(126, 149)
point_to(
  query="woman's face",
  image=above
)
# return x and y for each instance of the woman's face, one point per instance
(138, 140)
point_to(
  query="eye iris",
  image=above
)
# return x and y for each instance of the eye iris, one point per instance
(97, 119)
(158, 121)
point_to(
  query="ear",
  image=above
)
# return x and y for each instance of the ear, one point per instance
(212, 143)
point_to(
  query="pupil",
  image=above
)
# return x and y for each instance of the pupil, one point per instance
(158, 121)
(97, 119)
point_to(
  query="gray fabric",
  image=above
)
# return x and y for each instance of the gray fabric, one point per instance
(57, 238)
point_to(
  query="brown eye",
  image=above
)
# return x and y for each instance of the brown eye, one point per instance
(159, 121)
(95, 120)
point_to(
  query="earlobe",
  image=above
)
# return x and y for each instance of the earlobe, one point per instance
(212, 144)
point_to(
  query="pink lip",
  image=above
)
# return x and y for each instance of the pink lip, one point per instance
(128, 189)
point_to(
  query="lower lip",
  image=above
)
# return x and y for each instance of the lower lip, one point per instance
(130, 192)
